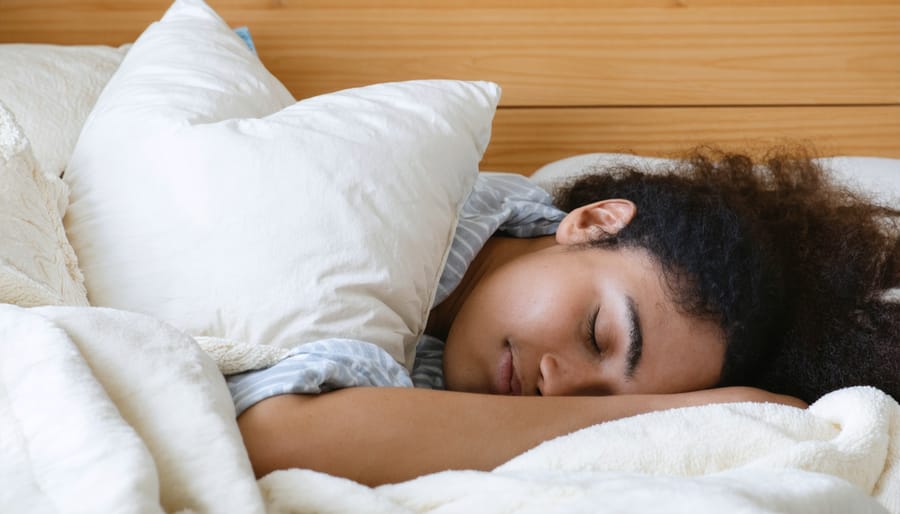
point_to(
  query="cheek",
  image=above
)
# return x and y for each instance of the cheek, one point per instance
(556, 313)
(473, 338)
(457, 364)
(528, 305)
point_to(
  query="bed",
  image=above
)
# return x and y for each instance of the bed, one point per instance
(149, 155)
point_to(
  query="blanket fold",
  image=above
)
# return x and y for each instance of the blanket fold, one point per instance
(852, 434)
(58, 423)
(106, 400)
(110, 411)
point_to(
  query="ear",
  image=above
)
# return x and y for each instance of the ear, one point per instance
(592, 221)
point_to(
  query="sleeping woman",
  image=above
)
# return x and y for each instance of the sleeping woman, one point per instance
(718, 279)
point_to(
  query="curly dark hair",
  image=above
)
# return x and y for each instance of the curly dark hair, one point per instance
(792, 266)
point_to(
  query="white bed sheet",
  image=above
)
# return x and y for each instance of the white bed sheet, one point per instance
(877, 176)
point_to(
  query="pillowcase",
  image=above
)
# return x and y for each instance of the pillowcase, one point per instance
(877, 177)
(37, 264)
(203, 195)
(51, 89)
(553, 174)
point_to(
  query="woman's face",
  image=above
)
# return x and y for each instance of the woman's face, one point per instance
(568, 320)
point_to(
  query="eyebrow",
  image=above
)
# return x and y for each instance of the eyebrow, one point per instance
(636, 339)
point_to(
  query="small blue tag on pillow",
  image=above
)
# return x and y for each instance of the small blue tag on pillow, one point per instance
(244, 32)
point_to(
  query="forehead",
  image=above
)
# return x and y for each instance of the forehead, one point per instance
(681, 352)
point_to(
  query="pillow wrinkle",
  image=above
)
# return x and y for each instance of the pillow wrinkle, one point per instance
(50, 89)
(238, 215)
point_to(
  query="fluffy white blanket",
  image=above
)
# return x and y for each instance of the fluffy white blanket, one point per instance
(107, 411)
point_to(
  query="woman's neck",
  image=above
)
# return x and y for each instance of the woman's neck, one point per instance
(496, 252)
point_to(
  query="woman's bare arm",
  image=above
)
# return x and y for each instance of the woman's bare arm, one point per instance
(384, 435)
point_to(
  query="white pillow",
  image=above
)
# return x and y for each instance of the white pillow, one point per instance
(51, 89)
(878, 177)
(37, 264)
(199, 198)
(551, 175)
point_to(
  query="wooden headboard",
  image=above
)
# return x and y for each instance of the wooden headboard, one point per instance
(646, 76)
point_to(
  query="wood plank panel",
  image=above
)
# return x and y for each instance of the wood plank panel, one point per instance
(563, 53)
(525, 139)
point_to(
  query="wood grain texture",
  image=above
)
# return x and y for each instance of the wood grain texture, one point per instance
(525, 139)
(651, 76)
(553, 53)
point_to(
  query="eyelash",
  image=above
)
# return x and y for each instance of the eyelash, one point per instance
(592, 323)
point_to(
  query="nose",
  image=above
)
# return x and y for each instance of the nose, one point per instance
(569, 376)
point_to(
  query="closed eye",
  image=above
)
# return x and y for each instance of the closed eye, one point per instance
(592, 334)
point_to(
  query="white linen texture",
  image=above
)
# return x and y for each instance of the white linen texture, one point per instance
(877, 177)
(245, 218)
(37, 264)
(51, 89)
(110, 411)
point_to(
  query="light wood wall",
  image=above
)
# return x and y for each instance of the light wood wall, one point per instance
(647, 76)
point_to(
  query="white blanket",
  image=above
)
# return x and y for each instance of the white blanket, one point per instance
(107, 411)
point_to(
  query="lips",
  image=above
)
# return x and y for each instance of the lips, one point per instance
(504, 372)
(514, 385)
(506, 381)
